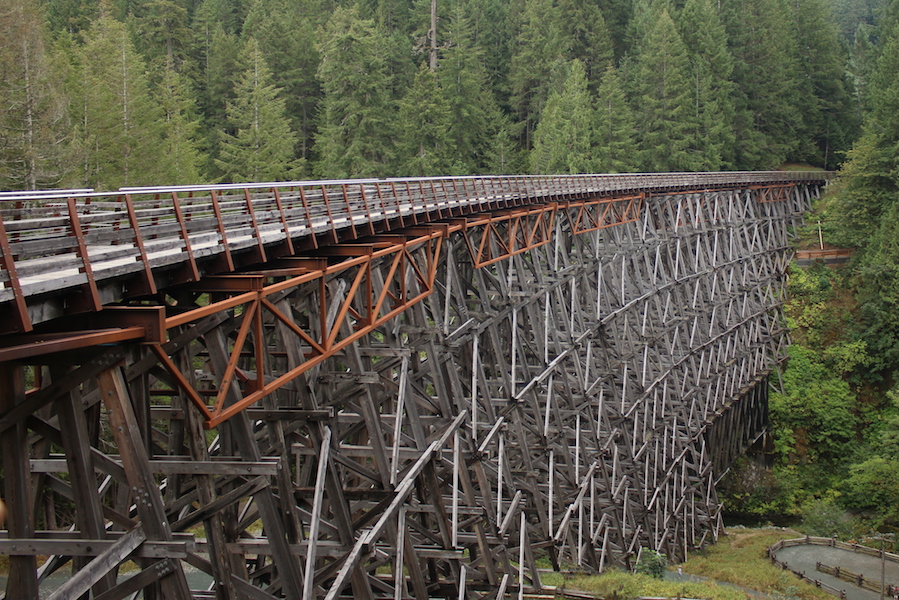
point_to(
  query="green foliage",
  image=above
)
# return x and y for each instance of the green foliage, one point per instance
(287, 38)
(478, 129)
(667, 125)
(826, 518)
(33, 115)
(873, 486)
(711, 67)
(258, 144)
(652, 563)
(813, 418)
(563, 137)
(616, 135)
(118, 137)
(536, 64)
(355, 137)
(424, 137)
(712, 85)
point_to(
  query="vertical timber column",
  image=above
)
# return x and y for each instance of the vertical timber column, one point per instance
(22, 582)
(136, 461)
(76, 441)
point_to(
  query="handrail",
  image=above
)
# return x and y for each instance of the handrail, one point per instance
(73, 239)
(830, 542)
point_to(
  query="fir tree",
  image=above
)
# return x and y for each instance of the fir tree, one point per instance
(355, 137)
(477, 123)
(869, 182)
(287, 37)
(586, 37)
(562, 142)
(829, 116)
(538, 60)
(711, 67)
(179, 130)
(162, 30)
(425, 147)
(118, 135)
(766, 91)
(664, 100)
(615, 147)
(33, 109)
(260, 144)
(219, 58)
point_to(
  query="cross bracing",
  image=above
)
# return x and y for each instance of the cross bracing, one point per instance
(418, 413)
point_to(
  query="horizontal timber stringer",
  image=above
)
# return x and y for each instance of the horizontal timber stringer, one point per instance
(416, 413)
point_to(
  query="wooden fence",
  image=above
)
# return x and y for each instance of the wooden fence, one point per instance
(833, 543)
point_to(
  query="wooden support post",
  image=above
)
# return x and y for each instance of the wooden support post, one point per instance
(22, 581)
(143, 489)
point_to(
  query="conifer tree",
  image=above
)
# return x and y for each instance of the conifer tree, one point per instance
(260, 144)
(586, 37)
(663, 97)
(287, 37)
(425, 147)
(538, 60)
(869, 182)
(356, 132)
(492, 30)
(562, 142)
(765, 86)
(180, 129)
(711, 67)
(219, 57)
(828, 115)
(615, 147)
(118, 135)
(477, 123)
(32, 110)
(162, 31)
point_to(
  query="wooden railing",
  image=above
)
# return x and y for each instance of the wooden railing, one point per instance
(832, 543)
(77, 238)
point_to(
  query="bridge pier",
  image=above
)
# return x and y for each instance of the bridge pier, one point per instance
(418, 414)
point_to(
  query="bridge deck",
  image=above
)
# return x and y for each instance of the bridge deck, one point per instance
(54, 244)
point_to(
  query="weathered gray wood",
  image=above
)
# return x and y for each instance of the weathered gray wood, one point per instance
(97, 569)
(22, 581)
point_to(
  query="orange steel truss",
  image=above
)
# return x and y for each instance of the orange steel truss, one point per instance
(604, 212)
(775, 193)
(498, 236)
(368, 302)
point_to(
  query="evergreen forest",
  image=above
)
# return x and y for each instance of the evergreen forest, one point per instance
(109, 93)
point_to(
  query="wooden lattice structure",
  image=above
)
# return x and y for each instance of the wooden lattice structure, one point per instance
(419, 406)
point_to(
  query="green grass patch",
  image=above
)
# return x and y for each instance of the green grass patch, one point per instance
(739, 558)
(618, 585)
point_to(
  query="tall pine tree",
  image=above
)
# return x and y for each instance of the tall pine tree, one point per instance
(667, 123)
(259, 144)
(711, 67)
(538, 62)
(358, 114)
(766, 92)
(118, 135)
(562, 142)
(425, 147)
(615, 147)
(477, 122)
(32, 110)
(287, 36)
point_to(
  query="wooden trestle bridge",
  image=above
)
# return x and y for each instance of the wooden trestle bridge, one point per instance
(380, 388)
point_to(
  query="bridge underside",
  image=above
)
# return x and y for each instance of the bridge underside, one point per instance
(415, 415)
